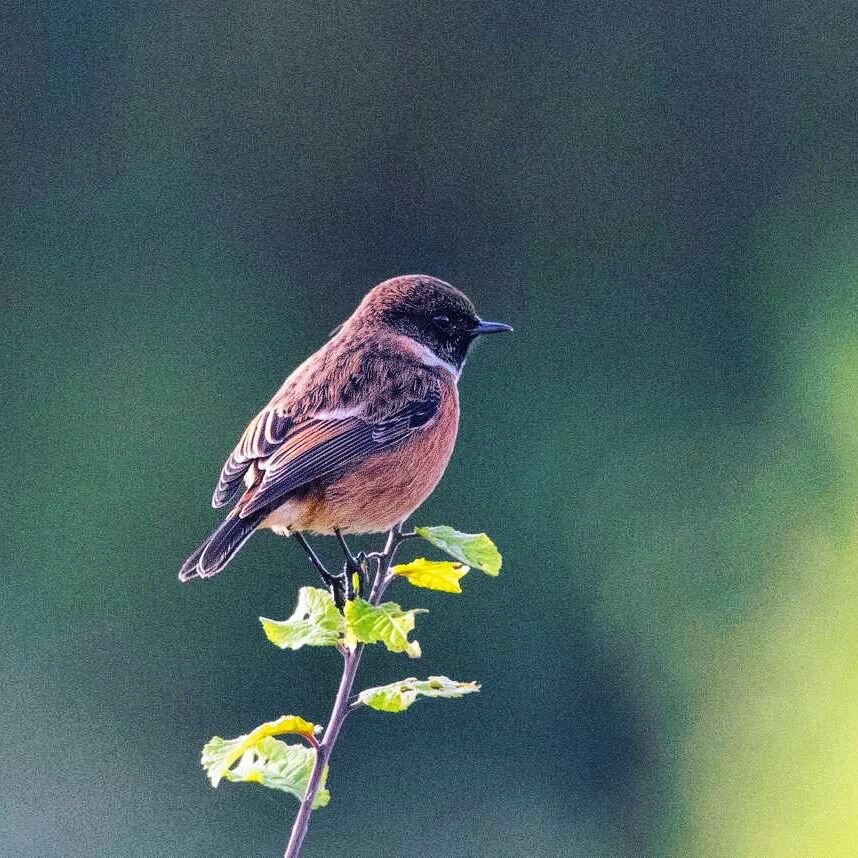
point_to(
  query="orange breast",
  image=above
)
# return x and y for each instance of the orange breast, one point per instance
(383, 489)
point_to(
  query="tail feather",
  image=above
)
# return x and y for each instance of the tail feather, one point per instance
(220, 547)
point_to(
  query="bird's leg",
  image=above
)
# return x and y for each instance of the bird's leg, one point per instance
(354, 566)
(334, 583)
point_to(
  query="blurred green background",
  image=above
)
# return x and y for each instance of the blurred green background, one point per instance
(662, 200)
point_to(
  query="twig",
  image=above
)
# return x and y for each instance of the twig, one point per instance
(342, 707)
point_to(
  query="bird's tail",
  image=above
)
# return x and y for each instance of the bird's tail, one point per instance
(221, 546)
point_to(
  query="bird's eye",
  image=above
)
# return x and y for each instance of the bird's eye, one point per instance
(443, 322)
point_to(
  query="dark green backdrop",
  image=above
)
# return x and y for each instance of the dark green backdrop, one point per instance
(663, 201)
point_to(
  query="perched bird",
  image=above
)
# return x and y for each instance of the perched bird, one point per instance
(359, 435)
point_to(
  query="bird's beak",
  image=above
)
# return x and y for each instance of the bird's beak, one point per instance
(490, 328)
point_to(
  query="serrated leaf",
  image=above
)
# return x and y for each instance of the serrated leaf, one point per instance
(386, 623)
(314, 622)
(276, 765)
(475, 549)
(219, 754)
(398, 696)
(441, 575)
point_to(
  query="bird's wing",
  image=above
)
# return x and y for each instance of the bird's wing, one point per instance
(266, 432)
(290, 452)
(317, 447)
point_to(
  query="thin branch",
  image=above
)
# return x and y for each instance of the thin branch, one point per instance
(342, 705)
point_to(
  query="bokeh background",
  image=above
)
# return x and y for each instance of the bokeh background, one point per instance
(662, 199)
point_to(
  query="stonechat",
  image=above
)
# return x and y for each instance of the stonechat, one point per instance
(359, 435)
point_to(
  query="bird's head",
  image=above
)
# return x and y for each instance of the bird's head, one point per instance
(437, 316)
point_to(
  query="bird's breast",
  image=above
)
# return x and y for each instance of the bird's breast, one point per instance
(384, 489)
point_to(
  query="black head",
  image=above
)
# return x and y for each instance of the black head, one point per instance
(431, 312)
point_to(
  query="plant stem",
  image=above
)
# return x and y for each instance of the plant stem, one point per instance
(351, 660)
(323, 752)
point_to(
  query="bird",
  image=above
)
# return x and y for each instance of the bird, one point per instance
(358, 435)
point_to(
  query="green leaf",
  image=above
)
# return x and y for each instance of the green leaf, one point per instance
(475, 549)
(433, 574)
(273, 764)
(257, 757)
(398, 696)
(386, 623)
(315, 622)
(219, 754)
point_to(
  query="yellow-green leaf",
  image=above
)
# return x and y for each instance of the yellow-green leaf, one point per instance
(219, 754)
(441, 575)
(273, 764)
(398, 696)
(315, 622)
(386, 623)
(475, 549)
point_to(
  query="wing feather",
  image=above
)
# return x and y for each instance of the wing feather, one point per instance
(265, 433)
(318, 448)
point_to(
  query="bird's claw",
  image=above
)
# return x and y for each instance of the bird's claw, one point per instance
(363, 573)
(341, 591)
(358, 565)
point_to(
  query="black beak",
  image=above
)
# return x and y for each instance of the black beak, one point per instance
(490, 328)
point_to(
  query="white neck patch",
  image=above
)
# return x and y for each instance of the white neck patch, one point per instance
(428, 358)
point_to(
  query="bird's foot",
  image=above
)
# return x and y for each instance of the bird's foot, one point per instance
(340, 590)
(356, 574)
(355, 569)
(352, 581)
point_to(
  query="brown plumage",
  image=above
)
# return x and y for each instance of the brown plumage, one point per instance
(359, 435)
